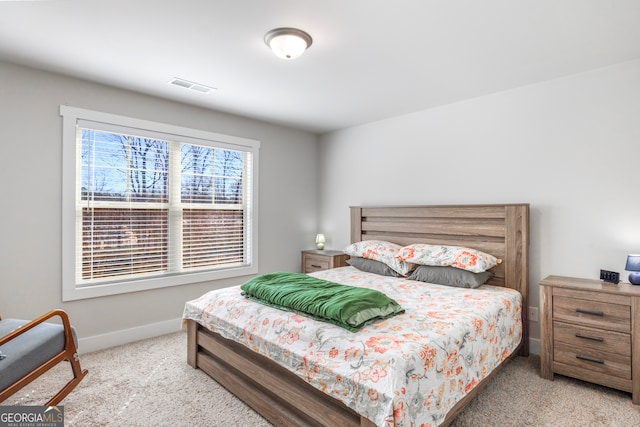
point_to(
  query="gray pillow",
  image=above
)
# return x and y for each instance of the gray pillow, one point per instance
(372, 266)
(449, 276)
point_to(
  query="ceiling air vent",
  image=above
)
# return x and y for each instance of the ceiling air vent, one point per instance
(176, 81)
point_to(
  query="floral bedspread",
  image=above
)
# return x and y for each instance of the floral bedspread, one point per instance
(408, 370)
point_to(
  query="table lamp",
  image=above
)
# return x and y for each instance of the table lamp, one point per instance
(320, 244)
(633, 265)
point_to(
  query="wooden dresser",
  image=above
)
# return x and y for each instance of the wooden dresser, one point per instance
(590, 330)
(316, 260)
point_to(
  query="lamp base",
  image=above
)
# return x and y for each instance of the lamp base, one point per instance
(320, 246)
(634, 278)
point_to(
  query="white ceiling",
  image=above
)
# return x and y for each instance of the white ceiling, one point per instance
(370, 59)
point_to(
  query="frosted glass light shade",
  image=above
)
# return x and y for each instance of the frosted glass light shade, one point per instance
(288, 43)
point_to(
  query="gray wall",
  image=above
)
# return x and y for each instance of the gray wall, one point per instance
(570, 147)
(30, 217)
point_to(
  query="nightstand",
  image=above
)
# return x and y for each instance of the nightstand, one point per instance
(590, 330)
(316, 260)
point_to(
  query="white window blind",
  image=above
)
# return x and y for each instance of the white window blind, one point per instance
(156, 205)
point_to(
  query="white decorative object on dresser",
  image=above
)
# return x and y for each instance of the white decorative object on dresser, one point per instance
(590, 330)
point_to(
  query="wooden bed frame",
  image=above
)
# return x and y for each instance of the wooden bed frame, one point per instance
(286, 400)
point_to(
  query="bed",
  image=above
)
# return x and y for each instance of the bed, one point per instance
(286, 398)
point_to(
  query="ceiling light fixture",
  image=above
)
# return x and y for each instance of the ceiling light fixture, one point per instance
(288, 43)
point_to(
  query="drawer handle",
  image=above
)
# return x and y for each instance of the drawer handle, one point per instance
(589, 359)
(592, 313)
(589, 337)
(316, 266)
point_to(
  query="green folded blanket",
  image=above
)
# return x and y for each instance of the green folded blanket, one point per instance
(347, 306)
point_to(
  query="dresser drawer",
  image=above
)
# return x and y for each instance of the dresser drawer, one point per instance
(592, 338)
(313, 260)
(591, 309)
(595, 361)
(315, 263)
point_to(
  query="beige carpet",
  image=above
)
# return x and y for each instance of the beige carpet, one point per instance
(149, 383)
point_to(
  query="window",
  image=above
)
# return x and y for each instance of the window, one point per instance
(148, 205)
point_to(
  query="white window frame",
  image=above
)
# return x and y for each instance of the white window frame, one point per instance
(71, 290)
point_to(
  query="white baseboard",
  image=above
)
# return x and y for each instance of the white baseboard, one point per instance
(534, 346)
(112, 339)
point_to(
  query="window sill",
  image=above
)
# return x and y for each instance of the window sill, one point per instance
(71, 292)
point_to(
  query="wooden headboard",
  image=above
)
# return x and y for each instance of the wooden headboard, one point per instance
(500, 230)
